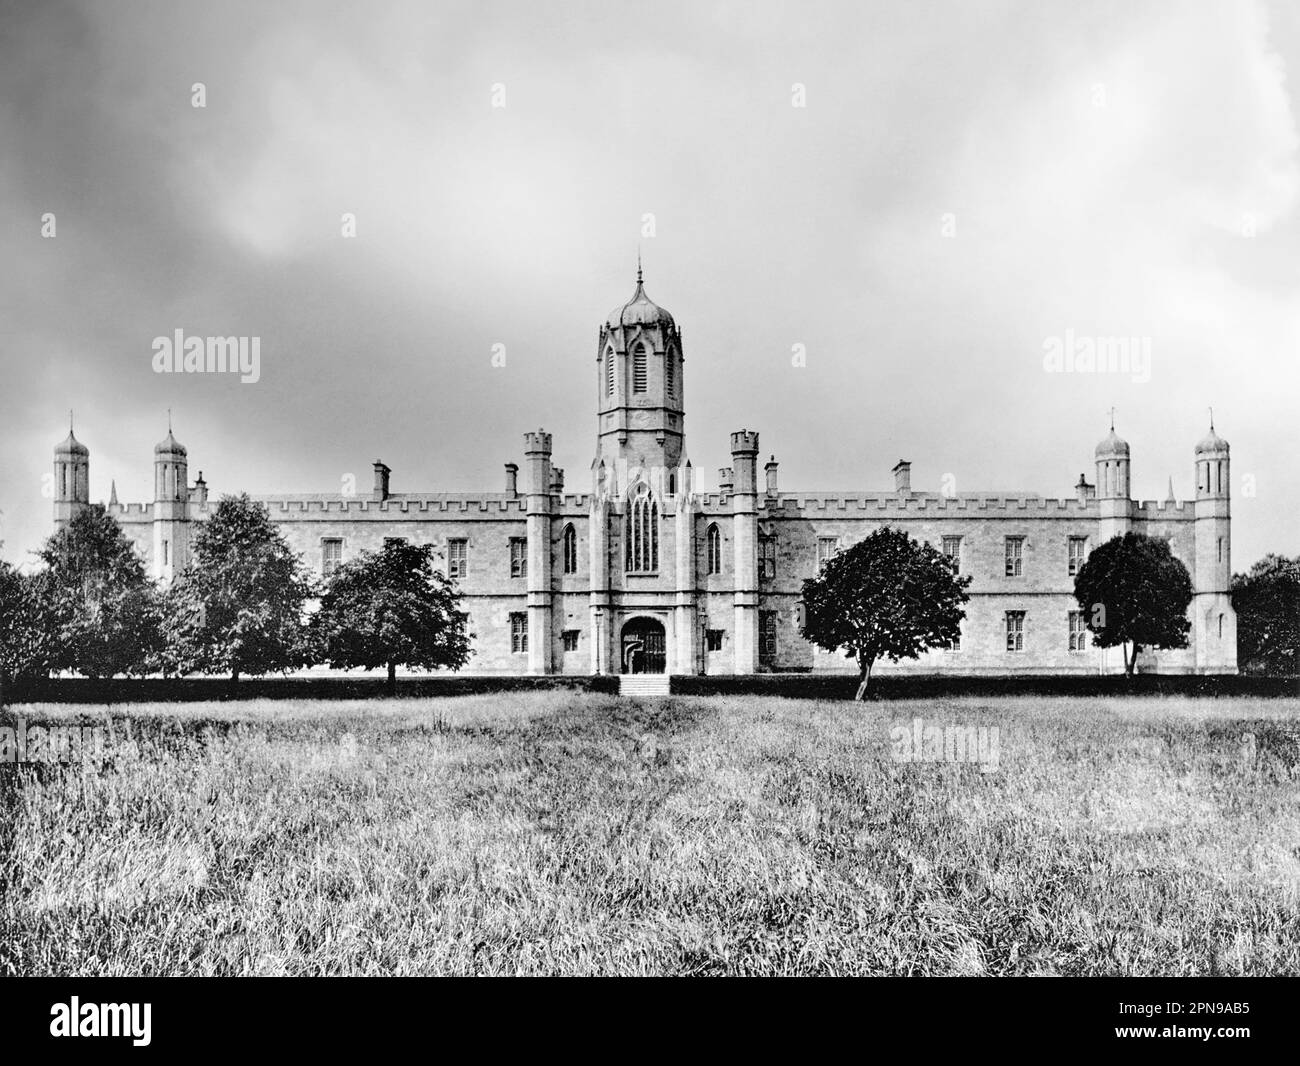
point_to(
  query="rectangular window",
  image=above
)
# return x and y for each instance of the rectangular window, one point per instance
(826, 549)
(331, 555)
(767, 637)
(952, 549)
(956, 644)
(1015, 631)
(518, 633)
(1078, 553)
(767, 558)
(390, 541)
(518, 557)
(1220, 549)
(1078, 632)
(1015, 552)
(457, 558)
(713, 639)
(166, 547)
(571, 640)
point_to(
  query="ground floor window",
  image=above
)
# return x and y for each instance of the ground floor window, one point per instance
(1015, 631)
(570, 640)
(1078, 632)
(713, 639)
(767, 637)
(518, 633)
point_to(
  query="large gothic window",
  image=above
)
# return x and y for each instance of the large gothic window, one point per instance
(570, 550)
(639, 370)
(642, 531)
(714, 539)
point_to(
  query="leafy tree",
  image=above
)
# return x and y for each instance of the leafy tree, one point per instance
(887, 596)
(25, 627)
(1133, 590)
(388, 608)
(238, 607)
(103, 608)
(1267, 602)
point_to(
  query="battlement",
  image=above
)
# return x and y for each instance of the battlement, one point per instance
(538, 443)
(928, 503)
(743, 442)
(1165, 509)
(401, 503)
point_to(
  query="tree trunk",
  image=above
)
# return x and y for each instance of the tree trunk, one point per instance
(862, 685)
(1130, 661)
(392, 678)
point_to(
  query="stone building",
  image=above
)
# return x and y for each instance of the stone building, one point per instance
(646, 570)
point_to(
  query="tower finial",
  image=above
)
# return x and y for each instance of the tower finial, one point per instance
(638, 264)
(1112, 419)
(169, 421)
(69, 421)
(1211, 419)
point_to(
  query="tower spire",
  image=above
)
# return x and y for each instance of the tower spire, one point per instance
(1211, 419)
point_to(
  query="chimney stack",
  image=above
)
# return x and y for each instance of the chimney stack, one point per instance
(381, 481)
(1084, 491)
(512, 479)
(557, 481)
(726, 479)
(903, 477)
(770, 468)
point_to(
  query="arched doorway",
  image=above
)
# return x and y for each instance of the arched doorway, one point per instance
(643, 647)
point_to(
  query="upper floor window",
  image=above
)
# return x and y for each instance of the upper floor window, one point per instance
(826, 549)
(767, 557)
(609, 372)
(642, 531)
(1078, 553)
(518, 557)
(570, 550)
(457, 558)
(331, 555)
(668, 369)
(952, 549)
(1014, 556)
(714, 540)
(640, 371)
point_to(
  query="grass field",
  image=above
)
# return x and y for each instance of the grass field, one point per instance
(560, 833)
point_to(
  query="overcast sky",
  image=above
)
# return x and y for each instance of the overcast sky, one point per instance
(967, 182)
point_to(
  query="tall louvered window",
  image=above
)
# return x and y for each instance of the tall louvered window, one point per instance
(639, 378)
(642, 532)
(609, 372)
(668, 369)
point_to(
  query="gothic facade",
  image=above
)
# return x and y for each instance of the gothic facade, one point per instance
(646, 570)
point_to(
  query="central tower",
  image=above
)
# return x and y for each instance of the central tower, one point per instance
(640, 389)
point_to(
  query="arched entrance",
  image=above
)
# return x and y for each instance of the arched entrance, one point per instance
(643, 647)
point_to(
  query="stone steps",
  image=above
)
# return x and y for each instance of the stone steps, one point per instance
(643, 686)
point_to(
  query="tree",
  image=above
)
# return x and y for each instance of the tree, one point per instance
(238, 607)
(1133, 590)
(104, 610)
(887, 596)
(25, 628)
(1267, 602)
(388, 608)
